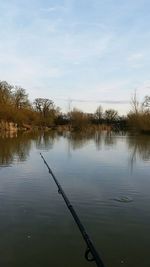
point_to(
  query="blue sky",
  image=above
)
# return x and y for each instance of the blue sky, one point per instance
(88, 50)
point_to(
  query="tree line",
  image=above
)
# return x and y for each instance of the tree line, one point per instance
(16, 107)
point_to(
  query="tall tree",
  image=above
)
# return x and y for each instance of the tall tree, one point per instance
(44, 106)
(20, 98)
(47, 112)
(99, 114)
(5, 92)
(135, 104)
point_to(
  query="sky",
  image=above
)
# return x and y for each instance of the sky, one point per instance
(78, 53)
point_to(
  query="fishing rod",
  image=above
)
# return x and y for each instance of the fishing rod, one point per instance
(90, 254)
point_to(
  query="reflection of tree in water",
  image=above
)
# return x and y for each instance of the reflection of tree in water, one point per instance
(46, 140)
(98, 138)
(139, 145)
(79, 139)
(14, 148)
(17, 147)
(109, 139)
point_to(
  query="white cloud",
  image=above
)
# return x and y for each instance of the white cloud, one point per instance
(137, 65)
(82, 47)
(143, 89)
(54, 8)
(136, 60)
(136, 57)
(26, 71)
(84, 50)
(53, 72)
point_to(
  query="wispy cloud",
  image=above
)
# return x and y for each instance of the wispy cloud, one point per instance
(135, 57)
(56, 8)
(91, 50)
(94, 101)
(136, 60)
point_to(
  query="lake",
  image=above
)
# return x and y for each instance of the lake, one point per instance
(107, 179)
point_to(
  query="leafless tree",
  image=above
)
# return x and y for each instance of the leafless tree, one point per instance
(99, 114)
(135, 104)
(110, 115)
(20, 98)
(44, 106)
(5, 92)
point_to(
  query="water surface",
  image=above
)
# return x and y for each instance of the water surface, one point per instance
(107, 178)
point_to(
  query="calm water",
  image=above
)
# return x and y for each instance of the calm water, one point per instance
(106, 177)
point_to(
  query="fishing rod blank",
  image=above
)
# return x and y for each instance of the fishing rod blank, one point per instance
(91, 254)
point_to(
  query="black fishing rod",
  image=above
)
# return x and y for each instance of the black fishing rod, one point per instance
(90, 254)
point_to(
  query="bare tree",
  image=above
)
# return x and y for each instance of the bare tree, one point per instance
(20, 98)
(99, 114)
(5, 92)
(44, 106)
(111, 115)
(135, 104)
(47, 111)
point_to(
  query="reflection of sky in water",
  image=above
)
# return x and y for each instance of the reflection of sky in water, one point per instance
(94, 171)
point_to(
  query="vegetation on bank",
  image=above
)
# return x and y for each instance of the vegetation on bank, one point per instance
(139, 117)
(16, 107)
